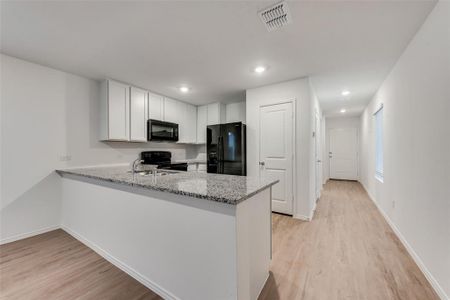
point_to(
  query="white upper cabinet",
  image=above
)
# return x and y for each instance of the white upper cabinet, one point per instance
(125, 111)
(202, 120)
(216, 113)
(155, 107)
(191, 124)
(138, 114)
(115, 111)
(180, 119)
(171, 110)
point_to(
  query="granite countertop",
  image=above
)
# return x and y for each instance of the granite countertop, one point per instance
(215, 187)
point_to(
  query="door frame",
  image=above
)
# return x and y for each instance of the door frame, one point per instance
(317, 156)
(293, 101)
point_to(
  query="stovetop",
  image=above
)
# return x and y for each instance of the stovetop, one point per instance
(163, 159)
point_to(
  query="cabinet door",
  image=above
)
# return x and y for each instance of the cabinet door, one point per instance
(118, 111)
(202, 120)
(155, 107)
(213, 114)
(181, 120)
(216, 113)
(171, 110)
(191, 123)
(138, 115)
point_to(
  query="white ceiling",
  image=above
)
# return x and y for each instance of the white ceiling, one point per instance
(213, 46)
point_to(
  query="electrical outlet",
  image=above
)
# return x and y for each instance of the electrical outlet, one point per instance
(393, 203)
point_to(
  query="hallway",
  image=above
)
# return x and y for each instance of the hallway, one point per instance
(347, 251)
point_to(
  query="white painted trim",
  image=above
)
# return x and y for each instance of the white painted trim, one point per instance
(313, 211)
(307, 218)
(268, 274)
(28, 234)
(116, 262)
(433, 282)
(301, 217)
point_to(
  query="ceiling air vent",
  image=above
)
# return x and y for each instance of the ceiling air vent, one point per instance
(275, 16)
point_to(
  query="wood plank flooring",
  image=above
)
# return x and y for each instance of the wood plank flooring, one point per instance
(54, 265)
(347, 252)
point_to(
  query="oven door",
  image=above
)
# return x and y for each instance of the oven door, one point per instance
(162, 131)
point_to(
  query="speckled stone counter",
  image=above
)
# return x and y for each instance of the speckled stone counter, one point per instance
(220, 188)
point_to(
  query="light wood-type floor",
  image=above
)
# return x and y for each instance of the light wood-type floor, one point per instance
(54, 265)
(346, 252)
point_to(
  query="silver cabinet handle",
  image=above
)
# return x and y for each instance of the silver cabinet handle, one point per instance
(261, 163)
(319, 161)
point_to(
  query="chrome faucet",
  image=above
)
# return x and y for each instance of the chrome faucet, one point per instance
(135, 162)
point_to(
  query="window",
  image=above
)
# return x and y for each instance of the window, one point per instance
(379, 144)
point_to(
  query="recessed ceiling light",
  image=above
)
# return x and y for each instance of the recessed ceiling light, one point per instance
(184, 89)
(345, 93)
(260, 69)
(343, 110)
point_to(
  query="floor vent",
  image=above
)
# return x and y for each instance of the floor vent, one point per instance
(275, 16)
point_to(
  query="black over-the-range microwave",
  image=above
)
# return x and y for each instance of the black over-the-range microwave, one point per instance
(160, 131)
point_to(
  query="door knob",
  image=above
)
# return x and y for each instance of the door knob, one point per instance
(261, 163)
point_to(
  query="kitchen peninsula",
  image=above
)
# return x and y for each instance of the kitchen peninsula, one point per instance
(185, 235)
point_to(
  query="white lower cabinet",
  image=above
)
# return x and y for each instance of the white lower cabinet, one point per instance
(197, 167)
(201, 168)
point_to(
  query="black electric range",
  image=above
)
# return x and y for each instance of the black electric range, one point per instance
(163, 159)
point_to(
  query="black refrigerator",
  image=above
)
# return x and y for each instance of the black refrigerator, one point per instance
(225, 149)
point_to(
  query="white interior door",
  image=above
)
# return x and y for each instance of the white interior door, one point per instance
(276, 153)
(344, 153)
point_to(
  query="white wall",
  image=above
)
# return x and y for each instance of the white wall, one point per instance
(315, 166)
(235, 112)
(415, 195)
(337, 122)
(323, 136)
(46, 114)
(300, 91)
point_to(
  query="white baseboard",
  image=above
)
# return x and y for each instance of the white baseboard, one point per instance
(306, 218)
(301, 217)
(263, 285)
(28, 234)
(124, 267)
(433, 282)
(313, 211)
